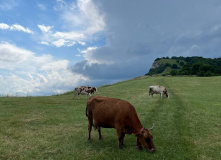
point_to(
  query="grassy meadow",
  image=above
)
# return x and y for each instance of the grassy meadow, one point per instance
(187, 125)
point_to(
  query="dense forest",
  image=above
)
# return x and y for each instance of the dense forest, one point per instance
(203, 67)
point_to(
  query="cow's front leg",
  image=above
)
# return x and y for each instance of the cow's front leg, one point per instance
(87, 95)
(74, 95)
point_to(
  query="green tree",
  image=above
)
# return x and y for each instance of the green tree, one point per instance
(174, 66)
(173, 72)
(181, 63)
(195, 68)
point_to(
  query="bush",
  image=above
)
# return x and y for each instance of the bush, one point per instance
(181, 63)
(174, 66)
(208, 74)
(173, 72)
(157, 59)
(184, 72)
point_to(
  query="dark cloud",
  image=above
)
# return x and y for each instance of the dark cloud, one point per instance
(139, 31)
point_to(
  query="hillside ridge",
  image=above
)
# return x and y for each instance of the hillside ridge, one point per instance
(199, 66)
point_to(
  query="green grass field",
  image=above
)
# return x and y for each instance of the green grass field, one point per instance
(187, 125)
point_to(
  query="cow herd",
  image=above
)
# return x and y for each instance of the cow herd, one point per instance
(88, 91)
(115, 113)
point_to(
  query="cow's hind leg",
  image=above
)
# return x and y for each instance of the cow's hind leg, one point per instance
(161, 94)
(122, 140)
(99, 131)
(89, 128)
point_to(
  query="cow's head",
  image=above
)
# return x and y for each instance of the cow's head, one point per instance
(145, 138)
(93, 89)
(166, 93)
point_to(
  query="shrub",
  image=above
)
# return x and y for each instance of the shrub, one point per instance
(181, 63)
(174, 66)
(173, 72)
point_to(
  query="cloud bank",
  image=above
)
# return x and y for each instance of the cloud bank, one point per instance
(24, 72)
(33, 75)
(82, 20)
(138, 32)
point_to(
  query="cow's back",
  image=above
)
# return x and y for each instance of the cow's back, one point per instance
(109, 112)
(156, 89)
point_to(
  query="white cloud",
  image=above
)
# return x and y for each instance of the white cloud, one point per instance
(18, 27)
(82, 43)
(91, 16)
(62, 42)
(15, 27)
(12, 54)
(4, 26)
(45, 43)
(60, 39)
(69, 35)
(44, 28)
(59, 42)
(89, 49)
(41, 6)
(28, 74)
(81, 21)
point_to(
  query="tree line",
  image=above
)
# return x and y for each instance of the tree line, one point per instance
(203, 67)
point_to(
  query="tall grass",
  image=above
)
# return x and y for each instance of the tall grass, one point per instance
(187, 125)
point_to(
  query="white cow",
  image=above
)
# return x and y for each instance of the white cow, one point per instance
(158, 90)
(83, 90)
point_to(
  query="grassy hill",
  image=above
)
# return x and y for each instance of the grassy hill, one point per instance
(187, 125)
(199, 66)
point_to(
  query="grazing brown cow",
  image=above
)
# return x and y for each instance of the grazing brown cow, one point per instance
(119, 114)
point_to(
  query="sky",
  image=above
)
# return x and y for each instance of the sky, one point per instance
(51, 47)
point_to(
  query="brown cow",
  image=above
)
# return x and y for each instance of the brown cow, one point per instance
(119, 114)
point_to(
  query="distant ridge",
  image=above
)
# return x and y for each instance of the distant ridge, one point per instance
(199, 66)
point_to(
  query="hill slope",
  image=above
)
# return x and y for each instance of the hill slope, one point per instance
(187, 126)
(199, 66)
